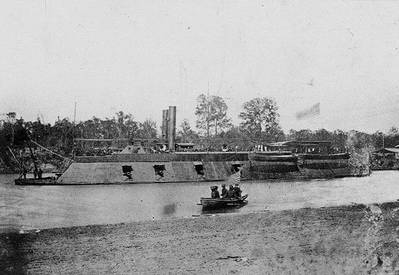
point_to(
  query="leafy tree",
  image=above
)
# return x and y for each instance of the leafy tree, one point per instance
(393, 131)
(391, 139)
(147, 129)
(127, 126)
(322, 134)
(5, 141)
(92, 128)
(121, 126)
(38, 131)
(110, 128)
(234, 138)
(62, 134)
(186, 134)
(378, 139)
(274, 134)
(339, 139)
(211, 112)
(260, 117)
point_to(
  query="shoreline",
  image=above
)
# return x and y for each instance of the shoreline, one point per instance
(342, 239)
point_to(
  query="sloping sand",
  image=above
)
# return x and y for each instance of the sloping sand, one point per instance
(340, 240)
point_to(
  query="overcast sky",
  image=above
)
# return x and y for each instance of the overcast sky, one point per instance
(142, 56)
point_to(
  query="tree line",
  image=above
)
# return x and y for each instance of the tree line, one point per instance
(260, 124)
(214, 129)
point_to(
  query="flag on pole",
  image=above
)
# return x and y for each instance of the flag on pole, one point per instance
(310, 112)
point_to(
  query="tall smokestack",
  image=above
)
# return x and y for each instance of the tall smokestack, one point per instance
(165, 118)
(172, 128)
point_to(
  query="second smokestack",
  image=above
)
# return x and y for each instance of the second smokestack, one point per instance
(165, 119)
(172, 128)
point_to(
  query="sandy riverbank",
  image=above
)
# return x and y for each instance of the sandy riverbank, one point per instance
(343, 240)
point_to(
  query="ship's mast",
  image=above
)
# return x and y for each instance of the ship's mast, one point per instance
(73, 131)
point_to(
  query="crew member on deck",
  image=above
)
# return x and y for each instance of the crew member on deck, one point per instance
(24, 172)
(40, 173)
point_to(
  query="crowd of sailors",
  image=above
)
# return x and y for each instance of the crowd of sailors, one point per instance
(234, 192)
(37, 173)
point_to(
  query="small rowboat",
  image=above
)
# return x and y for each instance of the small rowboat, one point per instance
(30, 181)
(209, 203)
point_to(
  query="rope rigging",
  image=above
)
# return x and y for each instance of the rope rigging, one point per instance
(48, 150)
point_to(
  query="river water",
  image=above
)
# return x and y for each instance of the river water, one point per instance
(32, 207)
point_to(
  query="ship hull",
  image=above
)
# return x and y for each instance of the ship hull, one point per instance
(206, 166)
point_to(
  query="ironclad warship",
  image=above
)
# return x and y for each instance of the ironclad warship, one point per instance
(280, 160)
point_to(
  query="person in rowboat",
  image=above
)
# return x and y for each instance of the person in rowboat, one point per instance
(237, 191)
(230, 193)
(215, 192)
(224, 191)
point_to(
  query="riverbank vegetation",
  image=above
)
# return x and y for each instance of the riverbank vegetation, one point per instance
(259, 124)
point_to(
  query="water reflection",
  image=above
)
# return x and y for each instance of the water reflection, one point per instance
(169, 209)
